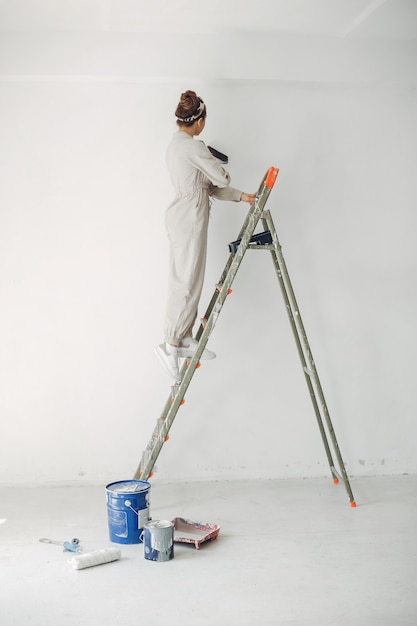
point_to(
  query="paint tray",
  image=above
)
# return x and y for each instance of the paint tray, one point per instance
(186, 531)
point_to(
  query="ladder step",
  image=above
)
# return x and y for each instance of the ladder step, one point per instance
(260, 239)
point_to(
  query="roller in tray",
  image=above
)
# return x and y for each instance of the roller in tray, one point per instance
(187, 531)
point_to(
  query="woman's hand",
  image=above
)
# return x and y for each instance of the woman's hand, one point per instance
(248, 197)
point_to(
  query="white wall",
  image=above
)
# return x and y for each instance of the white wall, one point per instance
(84, 126)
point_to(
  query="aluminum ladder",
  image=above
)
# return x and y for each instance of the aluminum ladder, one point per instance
(266, 240)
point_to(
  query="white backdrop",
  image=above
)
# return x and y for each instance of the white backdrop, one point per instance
(83, 255)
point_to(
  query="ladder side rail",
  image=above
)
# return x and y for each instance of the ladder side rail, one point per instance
(261, 197)
(233, 264)
(249, 225)
(299, 346)
(312, 371)
(150, 454)
(166, 419)
(172, 405)
(220, 295)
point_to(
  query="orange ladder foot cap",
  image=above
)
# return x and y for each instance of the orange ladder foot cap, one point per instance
(271, 177)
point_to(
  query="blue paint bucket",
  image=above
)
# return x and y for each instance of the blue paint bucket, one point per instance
(158, 540)
(127, 510)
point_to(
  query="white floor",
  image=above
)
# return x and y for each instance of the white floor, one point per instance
(289, 553)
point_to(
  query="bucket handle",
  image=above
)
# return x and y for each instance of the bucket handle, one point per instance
(129, 506)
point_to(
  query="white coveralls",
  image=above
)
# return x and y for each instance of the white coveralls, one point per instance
(196, 175)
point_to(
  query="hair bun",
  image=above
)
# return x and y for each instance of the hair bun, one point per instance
(189, 101)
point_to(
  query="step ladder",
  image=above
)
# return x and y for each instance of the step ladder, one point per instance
(266, 240)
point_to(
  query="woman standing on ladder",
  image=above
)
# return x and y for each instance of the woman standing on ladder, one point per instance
(196, 176)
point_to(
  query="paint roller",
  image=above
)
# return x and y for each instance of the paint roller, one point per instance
(219, 155)
(99, 557)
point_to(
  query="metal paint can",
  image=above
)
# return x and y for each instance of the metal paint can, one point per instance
(158, 540)
(127, 510)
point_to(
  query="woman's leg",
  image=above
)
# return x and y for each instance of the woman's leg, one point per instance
(187, 263)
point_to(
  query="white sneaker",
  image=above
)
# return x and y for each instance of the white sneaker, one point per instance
(188, 347)
(168, 361)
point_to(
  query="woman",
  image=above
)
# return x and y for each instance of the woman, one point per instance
(196, 176)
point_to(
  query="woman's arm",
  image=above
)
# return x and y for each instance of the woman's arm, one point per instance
(203, 160)
(218, 176)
